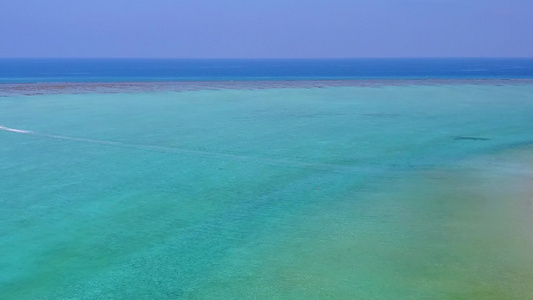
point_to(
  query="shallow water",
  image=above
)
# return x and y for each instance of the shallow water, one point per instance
(407, 192)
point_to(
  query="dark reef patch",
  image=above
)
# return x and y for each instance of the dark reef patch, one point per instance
(470, 138)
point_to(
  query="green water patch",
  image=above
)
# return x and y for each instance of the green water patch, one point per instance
(458, 233)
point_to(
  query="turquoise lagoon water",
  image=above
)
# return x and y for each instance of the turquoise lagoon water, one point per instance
(387, 192)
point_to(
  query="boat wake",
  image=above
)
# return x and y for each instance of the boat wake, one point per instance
(15, 130)
(272, 161)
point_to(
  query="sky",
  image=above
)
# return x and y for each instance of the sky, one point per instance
(265, 29)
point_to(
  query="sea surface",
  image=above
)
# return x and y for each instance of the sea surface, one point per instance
(127, 70)
(308, 188)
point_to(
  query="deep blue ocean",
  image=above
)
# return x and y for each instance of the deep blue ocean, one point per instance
(107, 70)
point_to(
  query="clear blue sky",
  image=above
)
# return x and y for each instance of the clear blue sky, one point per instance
(266, 29)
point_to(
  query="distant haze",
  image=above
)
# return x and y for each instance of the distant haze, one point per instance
(266, 29)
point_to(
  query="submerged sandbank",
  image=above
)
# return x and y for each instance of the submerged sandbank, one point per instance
(462, 232)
